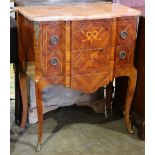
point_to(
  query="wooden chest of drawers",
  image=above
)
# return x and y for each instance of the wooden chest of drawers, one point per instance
(77, 48)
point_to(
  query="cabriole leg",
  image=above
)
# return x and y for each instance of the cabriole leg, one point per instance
(130, 92)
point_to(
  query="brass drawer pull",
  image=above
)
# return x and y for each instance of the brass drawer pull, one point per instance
(54, 40)
(122, 54)
(123, 34)
(54, 61)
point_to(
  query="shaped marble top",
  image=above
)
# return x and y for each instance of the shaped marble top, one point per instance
(80, 11)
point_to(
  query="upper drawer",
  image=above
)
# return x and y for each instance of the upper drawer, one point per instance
(91, 34)
(54, 36)
(125, 31)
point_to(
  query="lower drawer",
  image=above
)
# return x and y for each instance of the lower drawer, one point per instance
(90, 61)
(90, 69)
(53, 63)
(124, 56)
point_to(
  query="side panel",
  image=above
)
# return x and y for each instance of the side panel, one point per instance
(125, 43)
(25, 42)
(53, 54)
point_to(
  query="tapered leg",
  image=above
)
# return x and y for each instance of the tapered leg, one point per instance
(130, 92)
(23, 88)
(40, 113)
(39, 86)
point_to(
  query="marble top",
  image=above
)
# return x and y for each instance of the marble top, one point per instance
(80, 11)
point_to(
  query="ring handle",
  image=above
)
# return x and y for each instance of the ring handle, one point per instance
(54, 61)
(123, 34)
(54, 39)
(122, 54)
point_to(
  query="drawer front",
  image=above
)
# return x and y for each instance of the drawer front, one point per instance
(125, 31)
(89, 83)
(53, 63)
(53, 55)
(54, 36)
(91, 34)
(124, 56)
(90, 61)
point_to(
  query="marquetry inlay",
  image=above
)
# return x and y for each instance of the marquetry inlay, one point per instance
(85, 54)
(91, 36)
(93, 56)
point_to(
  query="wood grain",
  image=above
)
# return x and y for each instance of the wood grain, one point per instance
(112, 56)
(125, 67)
(24, 95)
(90, 69)
(129, 25)
(91, 34)
(50, 51)
(127, 62)
(40, 84)
(87, 54)
(25, 39)
(131, 73)
(89, 83)
(68, 55)
(90, 61)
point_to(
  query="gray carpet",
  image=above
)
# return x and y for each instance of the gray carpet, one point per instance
(75, 131)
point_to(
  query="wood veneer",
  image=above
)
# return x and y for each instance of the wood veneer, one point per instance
(84, 54)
